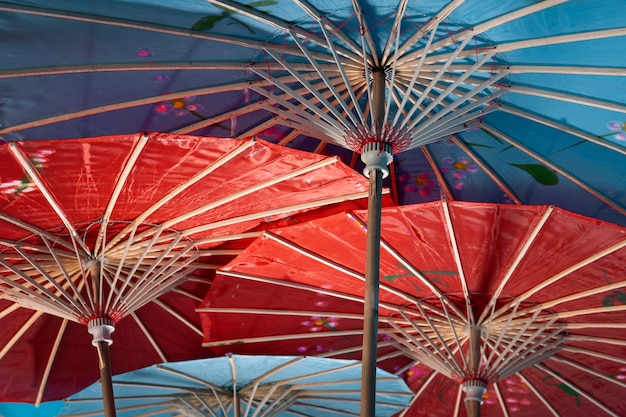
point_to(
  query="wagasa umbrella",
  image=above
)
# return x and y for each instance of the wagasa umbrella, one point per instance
(119, 233)
(520, 307)
(30, 410)
(244, 386)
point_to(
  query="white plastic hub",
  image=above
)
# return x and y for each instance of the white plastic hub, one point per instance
(101, 329)
(376, 155)
(474, 390)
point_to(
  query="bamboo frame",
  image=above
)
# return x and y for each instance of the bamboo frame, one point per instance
(260, 397)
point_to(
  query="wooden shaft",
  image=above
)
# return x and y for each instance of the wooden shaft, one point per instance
(472, 406)
(378, 98)
(372, 280)
(105, 379)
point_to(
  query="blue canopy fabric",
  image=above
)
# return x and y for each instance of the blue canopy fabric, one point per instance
(282, 386)
(499, 101)
(46, 409)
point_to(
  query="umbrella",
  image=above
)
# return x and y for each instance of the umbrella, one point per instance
(116, 234)
(525, 302)
(29, 410)
(222, 68)
(236, 385)
(503, 102)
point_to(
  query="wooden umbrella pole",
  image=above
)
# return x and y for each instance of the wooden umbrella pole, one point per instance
(370, 313)
(106, 380)
(101, 328)
(376, 157)
(474, 389)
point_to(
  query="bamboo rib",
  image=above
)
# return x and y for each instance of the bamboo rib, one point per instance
(178, 190)
(562, 127)
(562, 274)
(327, 24)
(20, 332)
(489, 24)
(419, 392)
(84, 17)
(501, 400)
(539, 395)
(242, 85)
(348, 85)
(435, 79)
(416, 73)
(595, 354)
(452, 239)
(349, 272)
(148, 336)
(487, 169)
(518, 258)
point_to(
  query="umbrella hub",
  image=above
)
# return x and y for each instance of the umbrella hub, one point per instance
(376, 155)
(496, 350)
(101, 329)
(93, 262)
(492, 350)
(474, 390)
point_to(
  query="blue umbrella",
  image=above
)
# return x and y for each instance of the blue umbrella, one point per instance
(502, 101)
(29, 410)
(241, 386)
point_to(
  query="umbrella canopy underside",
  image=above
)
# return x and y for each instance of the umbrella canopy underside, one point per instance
(123, 233)
(246, 386)
(484, 101)
(525, 300)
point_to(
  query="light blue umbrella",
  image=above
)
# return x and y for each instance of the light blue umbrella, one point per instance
(29, 410)
(244, 386)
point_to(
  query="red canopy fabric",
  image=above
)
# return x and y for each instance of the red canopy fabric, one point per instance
(112, 227)
(539, 289)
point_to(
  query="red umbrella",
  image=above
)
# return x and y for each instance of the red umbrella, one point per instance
(102, 233)
(521, 307)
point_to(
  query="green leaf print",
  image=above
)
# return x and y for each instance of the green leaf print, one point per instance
(542, 174)
(208, 22)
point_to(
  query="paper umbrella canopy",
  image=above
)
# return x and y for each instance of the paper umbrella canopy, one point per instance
(244, 386)
(120, 234)
(520, 306)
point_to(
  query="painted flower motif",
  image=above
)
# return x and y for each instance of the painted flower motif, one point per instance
(459, 169)
(143, 53)
(617, 130)
(616, 126)
(25, 184)
(179, 107)
(464, 164)
(414, 373)
(517, 384)
(318, 323)
(16, 187)
(39, 158)
(424, 183)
